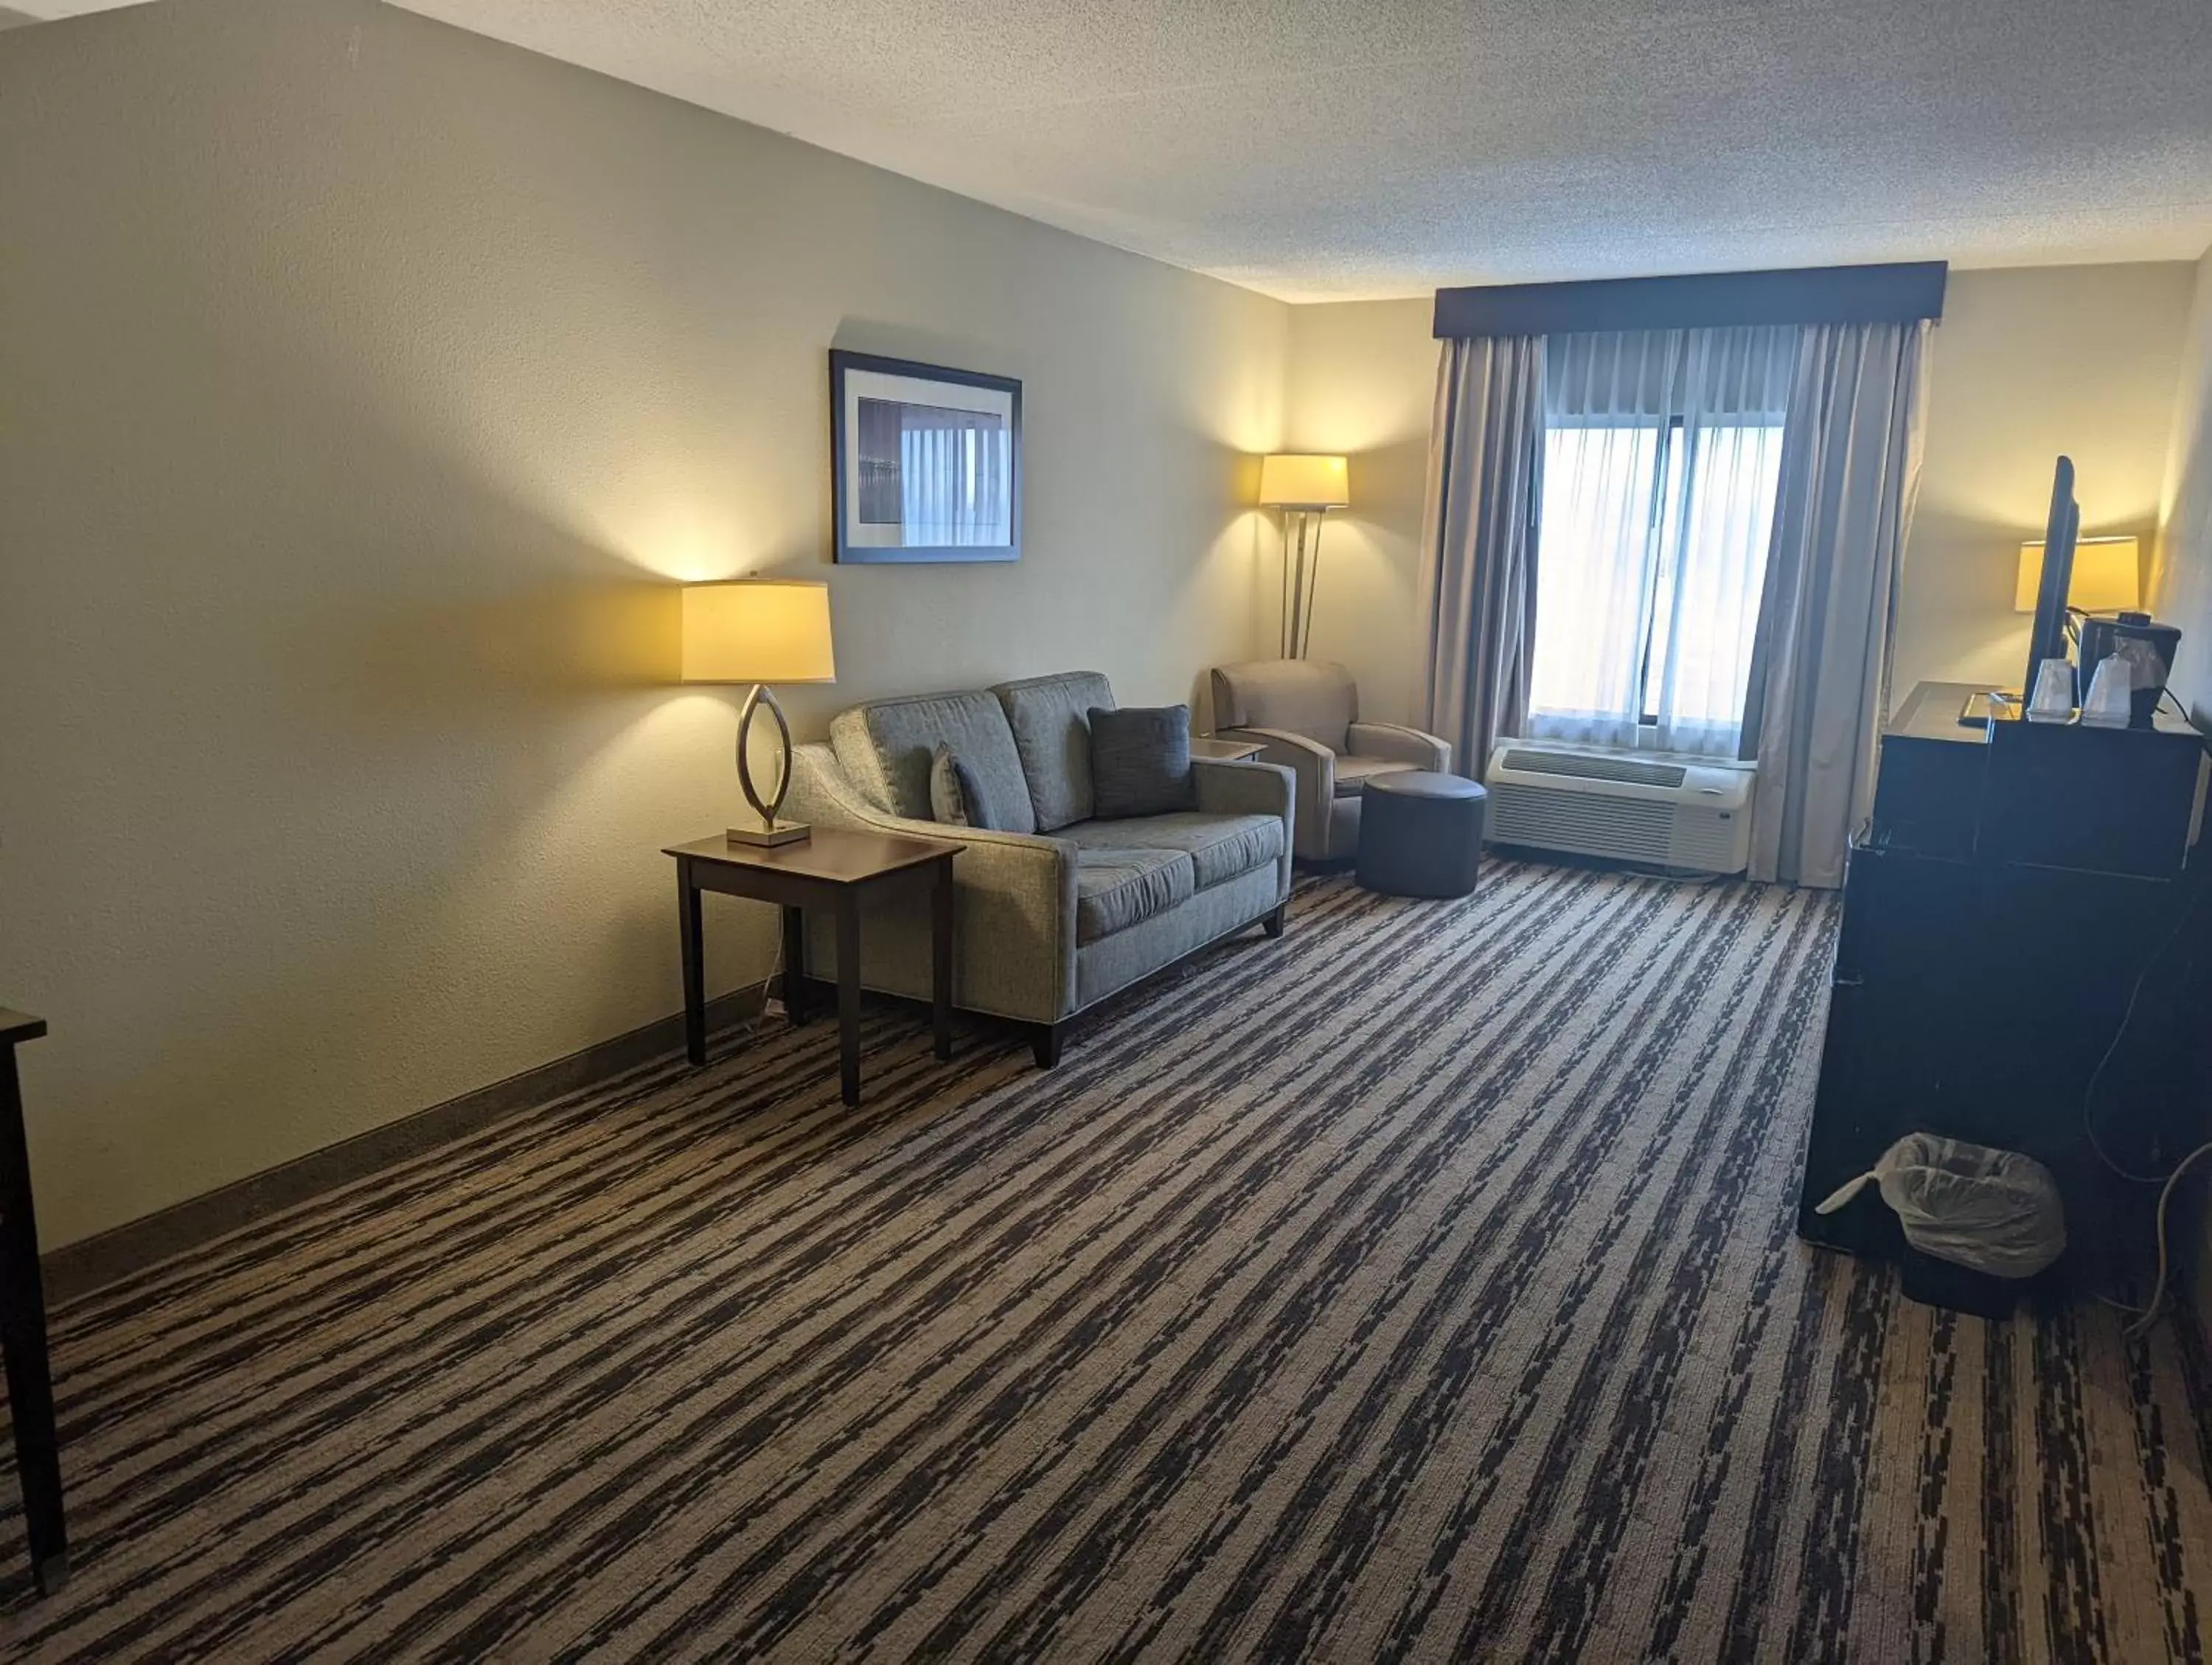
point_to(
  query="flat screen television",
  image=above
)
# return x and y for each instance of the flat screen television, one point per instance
(2048, 638)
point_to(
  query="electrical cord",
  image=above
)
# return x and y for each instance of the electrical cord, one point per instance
(2182, 711)
(760, 1006)
(2147, 1315)
(2113, 1047)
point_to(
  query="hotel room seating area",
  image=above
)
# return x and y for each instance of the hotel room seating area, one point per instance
(1372, 958)
(1064, 909)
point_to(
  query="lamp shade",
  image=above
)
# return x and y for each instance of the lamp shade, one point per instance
(2107, 576)
(1303, 482)
(757, 630)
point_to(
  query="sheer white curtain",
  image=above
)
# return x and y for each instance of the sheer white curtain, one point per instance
(1662, 453)
(954, 471)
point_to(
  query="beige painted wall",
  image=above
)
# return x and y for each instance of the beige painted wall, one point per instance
(2028, 363)
(360, 381)
(2184, 582)
(1363, 383)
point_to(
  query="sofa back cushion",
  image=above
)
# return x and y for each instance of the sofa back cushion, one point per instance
(1312, 697)
(886, 748)
(1050, 717)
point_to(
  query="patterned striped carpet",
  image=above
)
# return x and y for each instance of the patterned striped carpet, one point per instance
(1420, 1287)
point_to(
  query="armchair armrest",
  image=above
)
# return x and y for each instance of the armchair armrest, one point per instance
(1398, 743)
(1314, 765)
(1016, 910)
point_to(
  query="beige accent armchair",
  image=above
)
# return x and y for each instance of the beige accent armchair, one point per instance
(1304, 713)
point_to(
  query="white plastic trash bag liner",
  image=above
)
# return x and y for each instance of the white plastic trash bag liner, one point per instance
(1997, 1212)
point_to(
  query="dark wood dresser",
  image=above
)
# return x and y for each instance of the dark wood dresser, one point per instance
(2015, 882)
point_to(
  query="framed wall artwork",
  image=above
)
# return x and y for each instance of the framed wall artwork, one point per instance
(926, 462)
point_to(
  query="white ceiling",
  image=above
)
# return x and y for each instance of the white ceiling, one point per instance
(1334, 148)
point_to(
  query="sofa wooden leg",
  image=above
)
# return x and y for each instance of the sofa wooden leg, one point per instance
(1273, 924)
(1046, 1040)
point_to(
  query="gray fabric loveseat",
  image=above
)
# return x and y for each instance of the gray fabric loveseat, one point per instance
(1055, 916)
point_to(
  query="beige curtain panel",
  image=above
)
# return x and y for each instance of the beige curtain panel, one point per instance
(1819, 668)
(1479, 542)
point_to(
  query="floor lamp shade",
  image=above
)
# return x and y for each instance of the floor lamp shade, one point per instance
(1300, 481)
(1305, 488)
(760, 630)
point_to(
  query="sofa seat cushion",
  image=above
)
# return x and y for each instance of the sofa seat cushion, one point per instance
(1220, 846)
(1353, 773)
(1117, 888)
(887, 747)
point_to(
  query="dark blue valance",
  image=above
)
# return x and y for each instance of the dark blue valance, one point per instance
(1810, 294)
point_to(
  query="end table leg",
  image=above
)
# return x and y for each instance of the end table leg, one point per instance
(794, 966)
(940, 945)
(695, 968)
(848, 997)
(23, 1344)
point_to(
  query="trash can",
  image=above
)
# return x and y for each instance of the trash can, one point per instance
(1978, 1222)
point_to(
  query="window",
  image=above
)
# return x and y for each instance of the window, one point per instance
(1662, 454)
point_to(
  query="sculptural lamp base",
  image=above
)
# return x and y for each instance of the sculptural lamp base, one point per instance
(784, 832)
(770, 828)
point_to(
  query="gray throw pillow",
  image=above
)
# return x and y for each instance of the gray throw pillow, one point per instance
(1140, 761)
(956, 797)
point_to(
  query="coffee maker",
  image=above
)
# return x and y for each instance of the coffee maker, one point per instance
(2145, 646)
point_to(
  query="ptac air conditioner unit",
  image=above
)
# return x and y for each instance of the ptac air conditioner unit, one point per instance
(1663, 812)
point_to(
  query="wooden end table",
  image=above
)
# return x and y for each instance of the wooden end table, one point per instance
(830, 868)
(23, 1323)
(1225, 751)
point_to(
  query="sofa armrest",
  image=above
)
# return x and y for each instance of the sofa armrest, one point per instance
(1315, 766)
(1396, 743)
(1247, 788)
(1016, 897)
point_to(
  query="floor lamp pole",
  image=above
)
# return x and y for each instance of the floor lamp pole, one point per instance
(1300, 578)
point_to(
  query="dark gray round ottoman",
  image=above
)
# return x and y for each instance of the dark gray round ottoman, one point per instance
(1420, 834)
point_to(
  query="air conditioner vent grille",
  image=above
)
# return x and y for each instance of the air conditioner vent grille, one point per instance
(1622, 828)
(1584, 766)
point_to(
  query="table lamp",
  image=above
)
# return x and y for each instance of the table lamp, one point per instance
(2107, 576)
(759, 630)
(1307, 487)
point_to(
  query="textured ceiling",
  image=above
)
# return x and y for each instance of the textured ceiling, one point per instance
(1326, 149)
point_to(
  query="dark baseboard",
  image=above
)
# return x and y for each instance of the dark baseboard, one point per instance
(78, 1268)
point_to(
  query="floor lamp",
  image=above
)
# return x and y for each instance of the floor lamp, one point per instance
(1305, 488)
